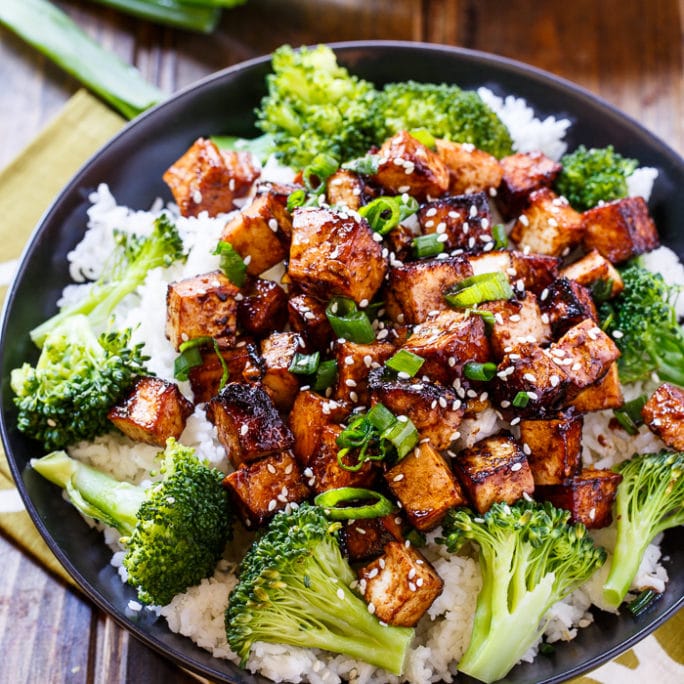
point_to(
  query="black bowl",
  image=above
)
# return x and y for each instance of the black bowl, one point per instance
(132, 164)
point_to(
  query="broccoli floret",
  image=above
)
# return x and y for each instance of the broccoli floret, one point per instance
(531, 557)
(643, 322)
(591, 175)
(650, 499)
(314, 106)
(174, 530)
(445, 111)
(78, 377)
(133, 258)
(294, 589)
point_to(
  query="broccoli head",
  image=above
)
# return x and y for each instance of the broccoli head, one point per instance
(642, 320)
(294, 589)
(650, 499)
(591, 175)
(174, 530)
(78, 377)
(530, 557)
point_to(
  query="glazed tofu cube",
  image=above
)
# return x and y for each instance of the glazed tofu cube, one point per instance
(260, 233)
(247, 423)
(566, 304)
(334, 253)
(416, 289)
(494, 469)
(262, 308)
(470, 169)
(605, 393)
(553, 447)
(548, 225)
(536, 271)
(523, 173)
(153, 411)
(409, 166)
(277, 353)
(447, 341)
(620, 229)
(310, 413)
(664, 415)
(201, 306)
(260, 489)
(464, 220)
(400, 243)
(306, 316)
(354, 363)
(367, 538)
(589, 496)
(593, 269)
(426, 487)
(400, 586)
(208, 179)
(435, 410)
(345, 188)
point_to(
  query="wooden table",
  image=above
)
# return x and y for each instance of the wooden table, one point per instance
(628, 51)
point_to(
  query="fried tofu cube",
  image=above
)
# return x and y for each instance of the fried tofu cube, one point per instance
(523, 173)
(208, 179)
(605, 393)
(664, 415)
(260, 233)
(260, 489)
(334, 253)
(593, 269)
(367, 538)
(409, 166)
(548, 225)
(416, 289)
(620, 230)
(470, 169)
(494, 469)
(346, 188)
(262, 308)
(589, 496)
(553, 447)
(426, 487)
(400, 243)
(567, 303)
(201, 306)
(277, 353)
(400, 586)
(247, 423)
(153, 410)
(354, 363)
(306, 316)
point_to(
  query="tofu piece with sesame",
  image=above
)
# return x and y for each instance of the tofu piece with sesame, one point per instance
(277, 353)
(553, 447)
(247, 423)
(260, 489)
(152, 411)
(494, 469)
(306, 315)
(594, 270)
(605, 393)
(620, 230)
(363, 539)
(548, 225)
(335, 253)
(426, 487)
(470, 169)
(400, 586)
(663, 413)
(345, 188)
(568, 303)
(416, 289)
(262, 308)
(408, 166)
(354, 363)
(201, 306)
(207, 179)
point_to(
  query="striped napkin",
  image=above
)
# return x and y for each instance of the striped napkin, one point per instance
(44, 167)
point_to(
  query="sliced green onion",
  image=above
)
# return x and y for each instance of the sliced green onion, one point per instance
(231, 263)
(322, 166)
(521, 400)
(325, 375)
(427, 245)
(385, 213)
(406, 362)
(297, 198)
(643, 602)
(365, 166)
(330, 501)
(486, 316)
(416, 538)
(546, 649)
(500, 236)
(474, 370)
(422, 135)
(380, 417)
(629, 415)
(190, 356)
(348, 322)
(601, 290)
(304, 364)
(485, 287)
(403, 435)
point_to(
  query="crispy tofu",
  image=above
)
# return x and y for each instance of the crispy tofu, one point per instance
(400, 243)
(470, 169)
(152, 411)
(364, 539)
(553, 447)
(400, 586)
(605, 393)
(664, 415)
(416, 289)
(354, 363)
(548, 225)
(494, 469)
(277, 353)
(594, 269)
(201, 306)
(409, 166)
(567, 303)
(306, 316)
(247, 423)
(260, 489)
(589, 496)
(208, 179)
(426, 487)
(334, 253)
(262, 308)
(346, 188)
(620, 230)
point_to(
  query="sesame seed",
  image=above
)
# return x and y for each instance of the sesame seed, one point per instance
(244, 429)
(271, 468)
(340, 594)
(272, 505)
(505, 404)
(353, 396)
(515, 420)
(349, 360)
(398, 478)
(349, 382)
(371, 608)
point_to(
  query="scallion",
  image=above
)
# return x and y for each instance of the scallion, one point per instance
(190, 356)
(385, 213)
(380, 417)
(365, 166)
(484, 287)
(348, 322)
(629, 415)
(297, 198)
(521, 400)
(643, 602)
(406, 362)
(422, 135)
(304, 364)
(334, 502)
(231, 263)
(322, 166)
(403, 435)
(427, 245)
(325, 375)
(500, 236)
(474, 370)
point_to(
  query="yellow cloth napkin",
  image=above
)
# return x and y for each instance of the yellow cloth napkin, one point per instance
(37, 175)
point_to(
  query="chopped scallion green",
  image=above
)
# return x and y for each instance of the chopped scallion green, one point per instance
(348, 322)
(325, 375)
(304, 364)
(331, 499)
(484, 287)
(231, 263)
(629, 415)
(427, 245)
(474, 370)
(521, 400)
(406, 362)
(403, 435)
(190, 356)
(385, 213)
